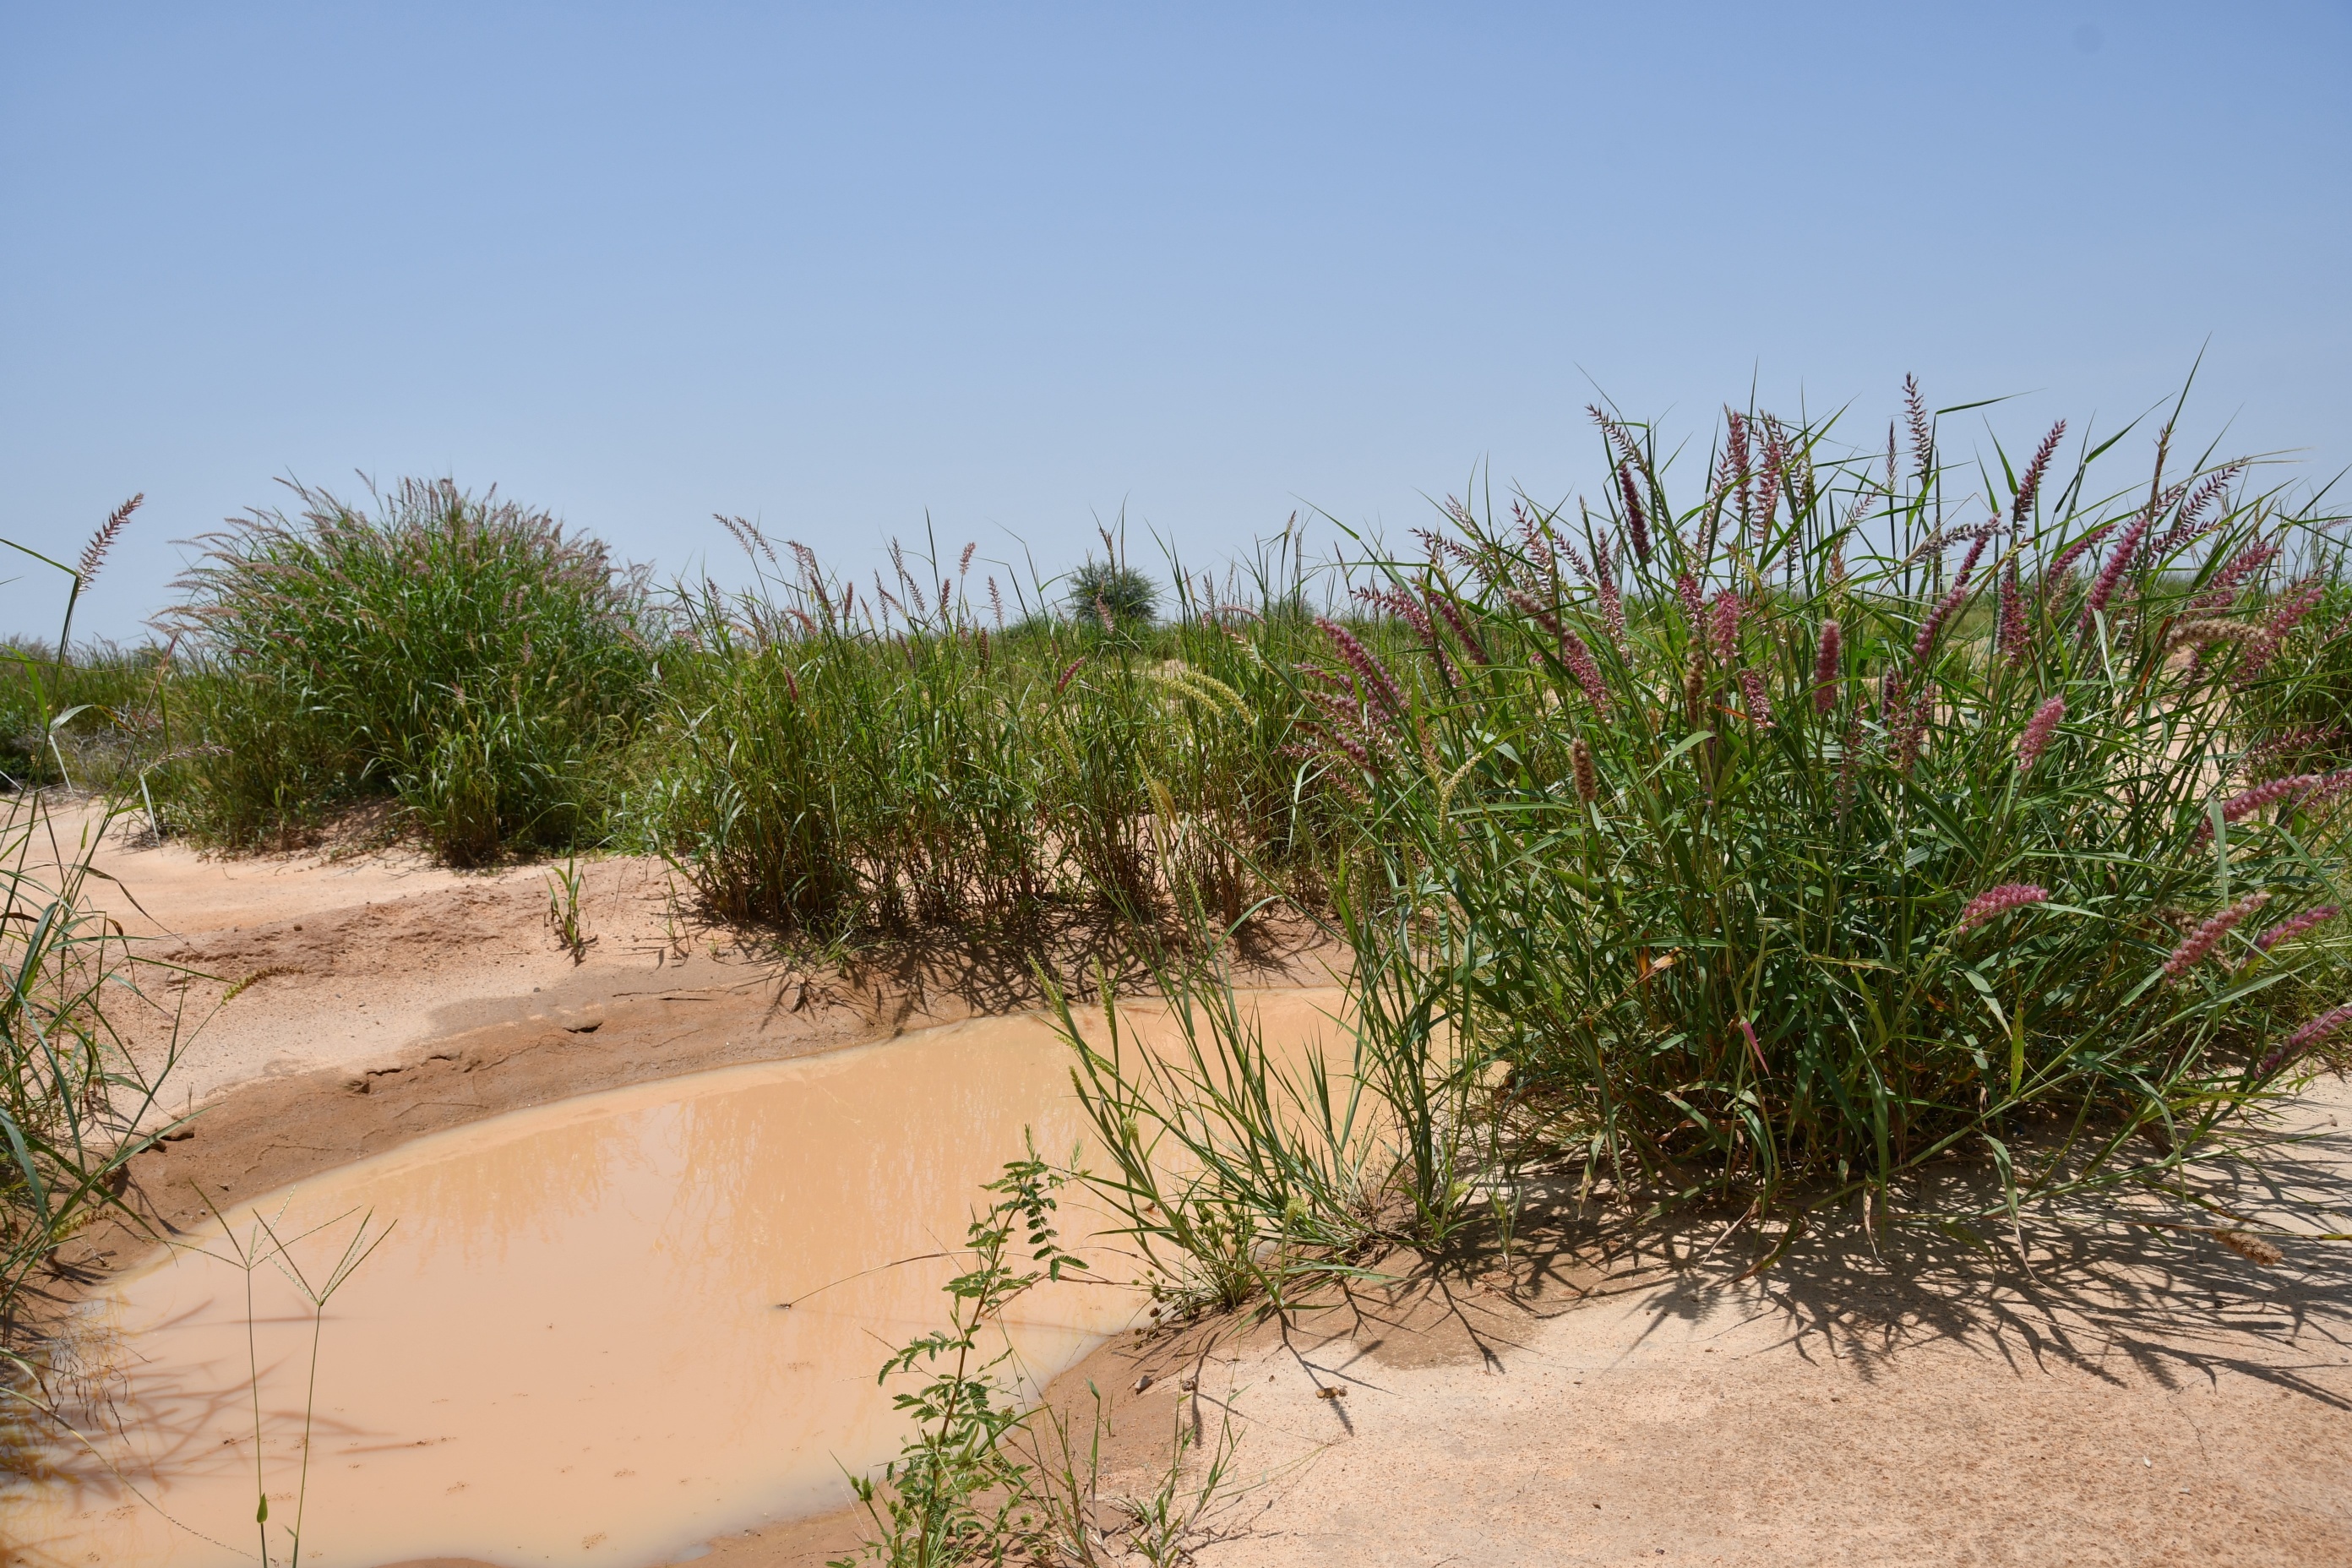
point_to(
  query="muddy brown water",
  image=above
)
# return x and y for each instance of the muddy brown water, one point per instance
(568, 1348)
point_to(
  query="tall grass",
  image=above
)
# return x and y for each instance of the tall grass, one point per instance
(76, 1106)
(828, 758)
(460, 656)
(1776, 844)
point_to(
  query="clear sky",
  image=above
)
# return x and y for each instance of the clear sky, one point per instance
(1023, 265)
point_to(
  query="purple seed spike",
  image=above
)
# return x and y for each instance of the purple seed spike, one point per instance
(2201, 941)
(2287, 930)
(2119, 561)
(2029, 485)
(1637, 524)
(2012, 635)
(1378, 683)
(1588, 777)
(2310, 1034)
(1999, 901)
(1828, 664)
(2038, 731)
(1723, 624)
(2239, 807)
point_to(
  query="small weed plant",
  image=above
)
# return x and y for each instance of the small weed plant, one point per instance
(983, 1481)
(960, 1491)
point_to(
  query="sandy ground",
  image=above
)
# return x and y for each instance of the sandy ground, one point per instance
(1605, 1394)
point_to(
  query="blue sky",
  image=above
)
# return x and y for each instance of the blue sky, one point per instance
(1024, 266)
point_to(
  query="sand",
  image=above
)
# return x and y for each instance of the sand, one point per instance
(1610, 1394)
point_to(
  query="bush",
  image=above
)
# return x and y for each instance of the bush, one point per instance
(462, 656)
(1112, 591)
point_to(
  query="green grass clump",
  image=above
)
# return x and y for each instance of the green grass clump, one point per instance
(832, 759)
(462, 656)
(1776, 847)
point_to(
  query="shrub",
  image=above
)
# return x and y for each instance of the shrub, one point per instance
(1114, 591)
(463, 656)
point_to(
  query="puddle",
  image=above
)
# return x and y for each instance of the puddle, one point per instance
(567, 1349)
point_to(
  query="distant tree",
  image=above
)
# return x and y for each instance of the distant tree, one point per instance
(1103, 587)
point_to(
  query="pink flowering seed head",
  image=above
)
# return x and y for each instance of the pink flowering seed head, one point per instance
(1573, 652)
(2190, 526)
(2200, 942)
(2292, 1048)
(1996, 901)
(2055, 575)
(2287, 930)
(1768, 496)
(1695, 687)
(1612, 603)
(1450, 614)
(2319, 1028)
(2120, 560)
(2239, 807)
(1925, 643)
(1637, 524)
(1911, 741)
(2220, 589)
(2012, 635)
(1686, 589)
(1379, 685)
(2029, 485)
(1723, 624)
(2038, 731)
(1976, 551)
(1588, 776)
(2326, 786)
(1581, 664)
(2299, 601)
(1829, 662)
(1759, 704)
